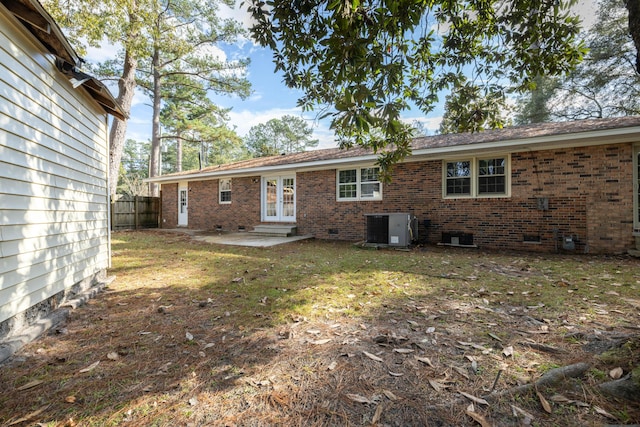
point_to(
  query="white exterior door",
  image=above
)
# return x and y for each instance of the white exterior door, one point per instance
(183, 204)
(279, 198)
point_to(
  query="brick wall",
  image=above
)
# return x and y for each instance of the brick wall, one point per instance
(206, 213)
(589, 193)
(169, 214)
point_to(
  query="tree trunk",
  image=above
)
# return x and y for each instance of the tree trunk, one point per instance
(179, 152)
(154, 159)
(634, 27)
(126, 90)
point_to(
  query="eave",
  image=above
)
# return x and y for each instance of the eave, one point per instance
(37, 21)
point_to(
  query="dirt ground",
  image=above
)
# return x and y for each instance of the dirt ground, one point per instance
(324, 334)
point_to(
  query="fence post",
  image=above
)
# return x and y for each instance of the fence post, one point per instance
(136, 212)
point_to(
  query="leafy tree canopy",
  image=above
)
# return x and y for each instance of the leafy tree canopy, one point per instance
(605, 84)
(290, 134)
(468, 109)
(192, 122)
(363, 61)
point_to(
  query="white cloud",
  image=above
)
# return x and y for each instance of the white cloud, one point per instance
(244, 120)
(587, 11)
(431, 124)
(102, 53)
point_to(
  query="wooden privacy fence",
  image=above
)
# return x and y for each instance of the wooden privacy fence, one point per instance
(135, 212)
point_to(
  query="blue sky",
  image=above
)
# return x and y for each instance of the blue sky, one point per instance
(270, 98)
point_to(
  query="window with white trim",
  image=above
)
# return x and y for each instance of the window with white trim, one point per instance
(359, 184)
(476, 177)
(224, 188)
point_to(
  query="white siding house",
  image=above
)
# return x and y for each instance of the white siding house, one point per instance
(54, 154)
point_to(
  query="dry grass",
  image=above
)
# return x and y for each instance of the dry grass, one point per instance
(280, 336)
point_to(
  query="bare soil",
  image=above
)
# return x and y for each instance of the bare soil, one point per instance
(319, 333)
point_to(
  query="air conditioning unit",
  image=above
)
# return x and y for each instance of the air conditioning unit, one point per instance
(393, 229)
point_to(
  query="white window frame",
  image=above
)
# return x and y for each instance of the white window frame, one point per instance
(359, 183)
(220, 191)
(474, 162)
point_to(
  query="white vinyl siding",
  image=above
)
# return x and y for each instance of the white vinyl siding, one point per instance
(53, 177)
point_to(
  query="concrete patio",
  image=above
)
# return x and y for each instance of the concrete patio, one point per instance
(238, 239)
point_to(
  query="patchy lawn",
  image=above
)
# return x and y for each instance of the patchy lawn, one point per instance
(322, 334)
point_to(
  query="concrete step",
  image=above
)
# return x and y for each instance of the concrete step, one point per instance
(284, 230)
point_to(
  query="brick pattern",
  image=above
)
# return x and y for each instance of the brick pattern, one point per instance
(589, 192)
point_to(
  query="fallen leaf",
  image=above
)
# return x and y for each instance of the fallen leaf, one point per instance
(580, 404)
(522, 412)
(471, 397)
(90, 367)
(601, 411)
(377, 414)
(558, 398)
(358, 398)
(30, 384)
(29, 416)
(437, 386)
(508, 351)
(403, 350)
(372, 356)
(395, 374)
(495, 337)
(477, 417)
(461, 371)
(616, 373)
(425, 360)
(545, 405)
(390, 395)
(320, 342)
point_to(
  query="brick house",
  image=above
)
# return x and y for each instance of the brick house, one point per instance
(543, 187)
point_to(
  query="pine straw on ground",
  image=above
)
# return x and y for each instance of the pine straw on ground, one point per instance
(325, 334)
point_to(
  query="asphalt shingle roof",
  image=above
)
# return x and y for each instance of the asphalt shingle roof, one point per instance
(437, 141)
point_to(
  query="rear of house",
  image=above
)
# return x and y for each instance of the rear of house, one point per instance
(558, 186)
(54, 231)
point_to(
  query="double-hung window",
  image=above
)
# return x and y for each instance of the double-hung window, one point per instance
(359, 184)
(225, 190)
(476, 177)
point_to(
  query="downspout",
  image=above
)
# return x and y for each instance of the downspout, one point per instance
(108, 192)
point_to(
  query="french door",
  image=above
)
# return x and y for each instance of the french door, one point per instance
(279, 198)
